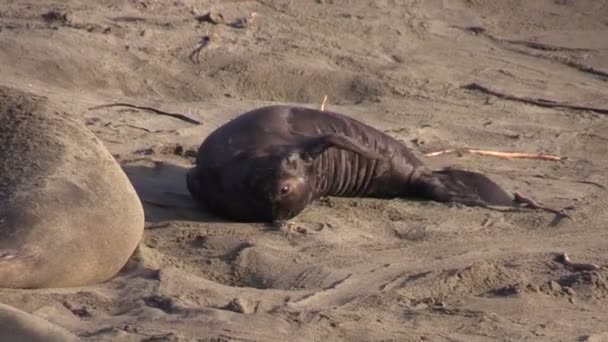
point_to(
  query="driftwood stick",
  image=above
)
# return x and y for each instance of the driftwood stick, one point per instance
(541, 156)
(150, 109)
(537, 102)
(499, 154)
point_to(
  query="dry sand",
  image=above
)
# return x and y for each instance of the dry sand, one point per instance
(367, 270)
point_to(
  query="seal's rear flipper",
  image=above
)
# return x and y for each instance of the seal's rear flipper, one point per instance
(466, 187)
(475, 189)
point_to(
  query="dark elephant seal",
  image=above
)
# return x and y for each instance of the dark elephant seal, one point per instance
(269, 163)
(68, 214)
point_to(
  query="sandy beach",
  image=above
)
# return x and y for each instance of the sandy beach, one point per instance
(517, 76)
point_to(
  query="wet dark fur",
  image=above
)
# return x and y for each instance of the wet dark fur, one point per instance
(270, 163)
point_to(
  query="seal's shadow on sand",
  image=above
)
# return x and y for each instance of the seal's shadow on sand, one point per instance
(162, 190)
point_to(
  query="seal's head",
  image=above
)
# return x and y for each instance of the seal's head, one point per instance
(288, 187)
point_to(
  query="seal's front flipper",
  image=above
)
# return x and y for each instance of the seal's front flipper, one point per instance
(466, 187)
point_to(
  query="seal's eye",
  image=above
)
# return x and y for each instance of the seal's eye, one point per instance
(284, 189)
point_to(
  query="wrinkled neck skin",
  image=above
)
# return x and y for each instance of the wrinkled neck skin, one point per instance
(338, 172)
(341, 173)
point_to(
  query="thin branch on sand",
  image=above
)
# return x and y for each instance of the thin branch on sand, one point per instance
(323, 104)
(565, 260)
(499, 154)
(537, 102)
(150, 109)
(530, 203)
(195, 56)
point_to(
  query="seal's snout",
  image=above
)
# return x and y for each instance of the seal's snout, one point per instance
(288, 196)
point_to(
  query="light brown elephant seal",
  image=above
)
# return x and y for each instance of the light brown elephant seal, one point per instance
(268, 164)
(68, 214)
(17, 325)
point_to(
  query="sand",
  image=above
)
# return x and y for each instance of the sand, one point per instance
(366, 270)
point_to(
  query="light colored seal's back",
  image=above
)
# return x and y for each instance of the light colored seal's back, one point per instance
(68, 214)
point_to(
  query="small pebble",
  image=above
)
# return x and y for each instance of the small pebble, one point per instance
(240, 305)
(211, 17)
(554, 286)
(533, 287)
(569, 290)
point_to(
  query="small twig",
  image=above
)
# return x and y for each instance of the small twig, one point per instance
(534, 205)
(565, 259)
(499, 154)
(150, 109)
(324, 101)
(196, 53)
(541, 156)
(538, 102)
